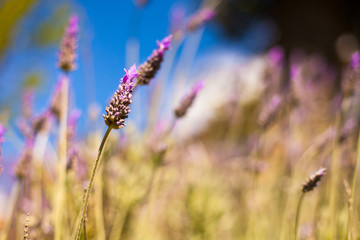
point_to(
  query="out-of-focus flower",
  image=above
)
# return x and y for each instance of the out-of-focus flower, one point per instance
(200, 18)
(148, 69)
(73, 159)
(74, 117)
(312, 181)
(355, 61)
(42, 122)
(276, 56)
(2, 132)
(312, 81)
(67, 53)
(118, 109)
(177, 16)
(24, 127)
(270, 111)
(350, 82)
(347, 129)
(27, 103)
(22, 167)
(274, 74)
(188, 100)
(55, 106)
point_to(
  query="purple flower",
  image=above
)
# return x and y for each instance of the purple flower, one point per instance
(27, 103)
(148, 69)
(200, 18)
(23, 165)
(163, 45)
(276, 55)
(118, 109)
(312, 181)
(42, 122)
(176, 18)
(73, 27)
(67, 53)
(2, 132)
(270, 111)
(355, 60)
(74, 117)
(188, 100)
(350, 81)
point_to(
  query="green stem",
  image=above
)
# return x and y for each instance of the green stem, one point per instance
(298, 214)
(99, 214)
(59, 200)
(353, 184)
(91, 182)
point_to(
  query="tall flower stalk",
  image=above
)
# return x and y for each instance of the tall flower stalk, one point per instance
(115, 116)
(66, 63)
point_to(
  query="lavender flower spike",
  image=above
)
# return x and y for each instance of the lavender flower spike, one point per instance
(312, 181)
(200, 18)
(2, 131)
(148, 69)
(67, 53)
(188, 100)
(355, 60)
(118, 109)
(270, 111)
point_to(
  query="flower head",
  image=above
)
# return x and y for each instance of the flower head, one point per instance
(27, 103)
(312, 181)
(177, 16)
(118, 109)
(22, 167)
(67, 53)
(270, 111)
(355, 61)
(351, 78)
(188, 100)
(148, 69)
(2, 132)
(200, 18)
(74, 117)
(42, 122)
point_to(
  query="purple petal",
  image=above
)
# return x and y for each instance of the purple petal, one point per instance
(198, 86)
(355, 60)
(73, 28)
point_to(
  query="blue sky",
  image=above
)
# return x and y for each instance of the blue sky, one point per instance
(105, 29)
(104, 32)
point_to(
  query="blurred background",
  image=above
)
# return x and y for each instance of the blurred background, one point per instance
(230, 52)
(118, 34)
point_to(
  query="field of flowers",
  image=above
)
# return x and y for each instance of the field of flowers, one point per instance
(264, 148)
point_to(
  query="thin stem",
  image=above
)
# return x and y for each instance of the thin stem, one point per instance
(59, 200)
(14, 197)
(99, 214)
(85, 234)
(334, 177)
(91, 182)
(353, 184)
(119, 220)
(298, 214)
